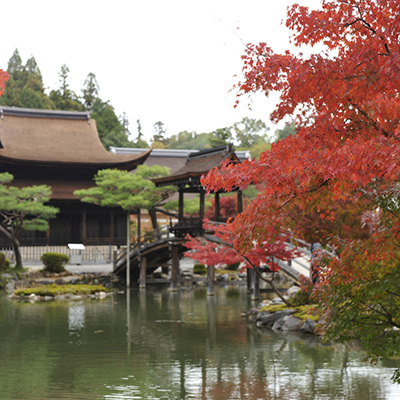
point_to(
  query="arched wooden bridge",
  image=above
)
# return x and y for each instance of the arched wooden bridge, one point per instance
(160, 248)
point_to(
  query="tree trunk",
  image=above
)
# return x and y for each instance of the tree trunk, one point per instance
(18, 256)
(12, 237)
(154, 222)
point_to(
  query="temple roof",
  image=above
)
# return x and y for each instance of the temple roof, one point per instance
(57, 138)
(198, 164)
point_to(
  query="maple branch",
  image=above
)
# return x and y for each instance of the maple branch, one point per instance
(324, 183)
(370, 120)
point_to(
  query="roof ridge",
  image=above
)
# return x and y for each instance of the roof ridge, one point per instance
(43, 113)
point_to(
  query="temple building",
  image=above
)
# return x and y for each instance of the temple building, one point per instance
(62, 149)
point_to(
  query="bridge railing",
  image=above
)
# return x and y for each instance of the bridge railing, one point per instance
(138, 245)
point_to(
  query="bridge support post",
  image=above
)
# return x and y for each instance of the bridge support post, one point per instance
(143, 267)
(210, 280)
(255, 292)
(174, 267)
(249, 276)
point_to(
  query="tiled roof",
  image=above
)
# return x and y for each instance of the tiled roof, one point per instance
(198, 164)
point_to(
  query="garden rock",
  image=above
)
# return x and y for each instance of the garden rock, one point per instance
(270, 319)
(292, 324)
(308, 326)
(291, 292)
(276, 300)
(223, 278)
(277, 326)
(9, 286)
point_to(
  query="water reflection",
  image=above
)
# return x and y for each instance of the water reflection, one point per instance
(157, 344)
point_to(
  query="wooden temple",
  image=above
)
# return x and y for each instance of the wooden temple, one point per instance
(188, 181)
(62, 149)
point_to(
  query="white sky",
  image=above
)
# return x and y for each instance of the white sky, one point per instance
(158, 60)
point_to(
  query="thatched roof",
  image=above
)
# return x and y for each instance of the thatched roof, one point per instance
(198, 164)
(62, 138)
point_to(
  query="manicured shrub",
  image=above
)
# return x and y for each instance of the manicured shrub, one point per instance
(4, 263)
(232, 267)
(54, 262)
(199, 269)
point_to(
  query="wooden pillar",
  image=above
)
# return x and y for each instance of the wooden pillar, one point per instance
(249, 274)
(143, 268)
(138, 228)
(128, 250)
(84, 227)
(112, 227)
(210, 280)
(216, 203)
(174, 267)
(240, 201)
(255, 292)
(202, 199)
(180, 211)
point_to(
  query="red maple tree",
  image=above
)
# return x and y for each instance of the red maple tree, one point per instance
(346, 103)
(222, 251)
(3, 77)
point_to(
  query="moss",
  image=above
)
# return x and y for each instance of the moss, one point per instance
(54, 290)
(274, 308)
(310, 311)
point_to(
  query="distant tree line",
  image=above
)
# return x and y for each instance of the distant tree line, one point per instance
(25, 88)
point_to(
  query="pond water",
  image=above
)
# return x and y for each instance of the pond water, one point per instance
(154, 344)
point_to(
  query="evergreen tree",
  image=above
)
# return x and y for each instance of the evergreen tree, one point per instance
(90, 91)
(220, 137)
(159, 140)
(64, 98)
(15, 65)
(288, 130)
(189, 141)
(111, 131)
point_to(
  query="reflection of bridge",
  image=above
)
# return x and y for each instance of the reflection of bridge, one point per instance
(161, 248)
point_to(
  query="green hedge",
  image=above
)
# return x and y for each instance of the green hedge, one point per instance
(54, 262)
(4, 263)
(232, 267)
(199, 269)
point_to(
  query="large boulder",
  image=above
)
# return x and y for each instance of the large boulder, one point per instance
(308, 326)
(269, 319)
(292, 324)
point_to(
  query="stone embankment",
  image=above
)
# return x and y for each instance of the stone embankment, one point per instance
(276, 315)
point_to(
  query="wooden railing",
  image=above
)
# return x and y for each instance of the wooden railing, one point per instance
(144, 241)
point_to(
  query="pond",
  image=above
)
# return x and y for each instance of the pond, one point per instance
(154, 344)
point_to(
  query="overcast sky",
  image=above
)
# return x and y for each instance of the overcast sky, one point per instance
(157, 60)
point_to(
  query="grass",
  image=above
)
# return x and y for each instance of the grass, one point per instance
(54, 290)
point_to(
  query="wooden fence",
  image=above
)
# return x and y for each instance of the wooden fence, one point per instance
(91, 254)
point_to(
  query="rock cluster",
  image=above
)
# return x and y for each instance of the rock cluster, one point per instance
(282, 320)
